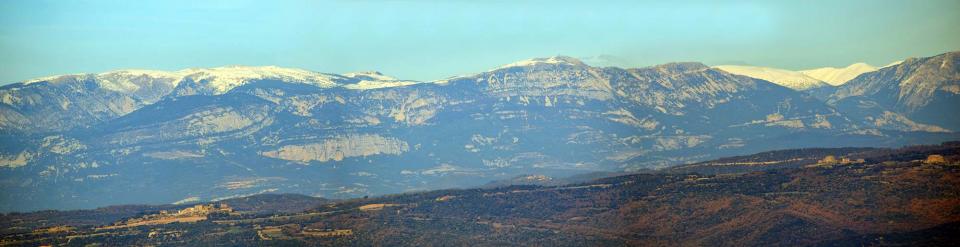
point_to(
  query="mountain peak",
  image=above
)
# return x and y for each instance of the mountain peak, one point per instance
(373, 80)
(223, 79)
(548, 60)
(682, 67)
(787, 78)
(839, 76)
(565, 59)
(860, 65)
(893, 63)
(370, 75)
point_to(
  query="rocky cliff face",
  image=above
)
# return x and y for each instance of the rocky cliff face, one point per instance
(338, 148)
(922, 89)
(67, 102)
(198, 133)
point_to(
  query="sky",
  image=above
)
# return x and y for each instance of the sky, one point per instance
(429, 40)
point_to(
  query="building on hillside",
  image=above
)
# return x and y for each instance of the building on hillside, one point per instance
(205, 209)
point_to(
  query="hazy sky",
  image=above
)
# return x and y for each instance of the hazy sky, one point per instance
(426, 40)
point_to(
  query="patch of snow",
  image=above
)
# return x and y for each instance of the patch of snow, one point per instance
(132, 80)
(47, 78)
(374, 75)
(839, 76)
(118, 80)
(537, 61)
(786, 78)
(365, 85)
(223, 79)
(605, 61)
(893, 63)
(375, 80)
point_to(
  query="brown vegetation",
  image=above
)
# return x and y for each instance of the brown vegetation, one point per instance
(876, 195)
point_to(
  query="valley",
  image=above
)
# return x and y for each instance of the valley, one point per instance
(903, 196)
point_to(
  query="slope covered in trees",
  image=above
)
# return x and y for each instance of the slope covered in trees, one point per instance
(879, 197)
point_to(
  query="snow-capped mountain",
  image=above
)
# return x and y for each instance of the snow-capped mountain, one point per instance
(804, 79)
(222, 79)
(604, 61)
(838, 76)
(63, 102)
(119, 80)
(160, 137)
(373, 80)
(550, 60)
(219, 80)
(787, 78)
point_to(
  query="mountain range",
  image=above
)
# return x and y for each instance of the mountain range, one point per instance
(804, 79)
(792, 79)
(137, 136)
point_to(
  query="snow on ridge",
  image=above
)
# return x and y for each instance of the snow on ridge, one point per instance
(537, 61)
(132, 79)
(893, 63)
(804, 79)
(839, 76)
(223, 79)
(365, 84)
(375, 80)
(127, 72)
(47, 78)
(142, 72)
(370, 74)
(127, 80)
(786, 78)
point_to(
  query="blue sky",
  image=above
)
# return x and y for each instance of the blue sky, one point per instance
(426, 40)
